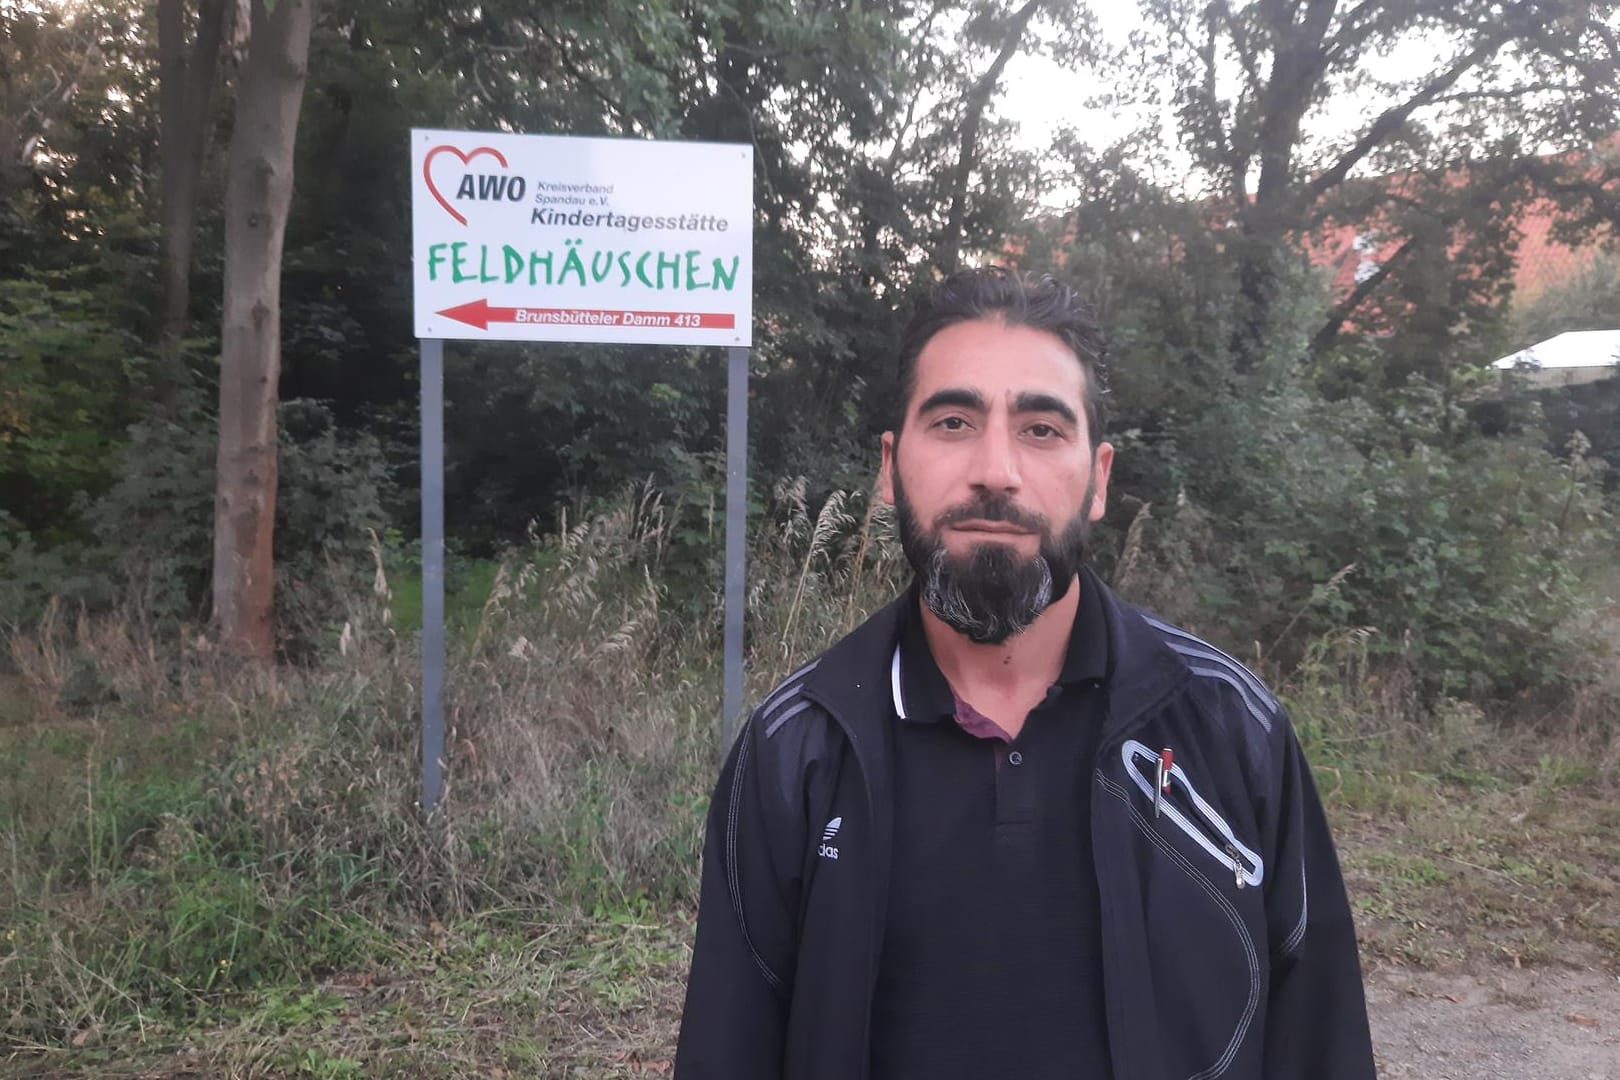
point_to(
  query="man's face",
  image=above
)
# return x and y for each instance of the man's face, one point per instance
(994, 479)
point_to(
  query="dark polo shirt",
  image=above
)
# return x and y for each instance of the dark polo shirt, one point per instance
(991, 964)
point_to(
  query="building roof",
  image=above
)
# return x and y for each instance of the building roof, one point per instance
(1572, 349)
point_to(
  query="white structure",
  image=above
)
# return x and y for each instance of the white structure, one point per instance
(1572, 358)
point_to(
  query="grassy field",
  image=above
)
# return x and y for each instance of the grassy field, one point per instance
(1470, 850)
(211, 871)
(1509, 861)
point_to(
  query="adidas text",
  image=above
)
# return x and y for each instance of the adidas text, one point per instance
(827, 852)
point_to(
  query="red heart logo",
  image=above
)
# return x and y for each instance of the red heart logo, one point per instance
(466, 159)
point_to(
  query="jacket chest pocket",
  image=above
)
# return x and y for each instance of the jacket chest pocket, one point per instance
(1196, 964)
(1172, 796)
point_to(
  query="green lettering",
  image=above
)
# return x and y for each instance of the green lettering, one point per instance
(514, 262)
(536, 259)
(572, 263)
(624, 266)
(671, 263)
(692, 281)
(601, 265)
(458, 256)
(641, 270)
(483, 265)
(726, 278)
(435, 257)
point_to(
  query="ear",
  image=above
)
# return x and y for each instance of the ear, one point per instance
(1101, 466)
(885, 485)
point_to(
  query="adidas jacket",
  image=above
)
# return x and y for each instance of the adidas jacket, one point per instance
(1228, 949)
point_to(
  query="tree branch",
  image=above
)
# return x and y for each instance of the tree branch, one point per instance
(1351, 32)
(1247, 54)
(1390, 120)
(615, 107)
(949, 252)
(1329, 331)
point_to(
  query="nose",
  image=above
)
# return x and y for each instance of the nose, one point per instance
(995, 464)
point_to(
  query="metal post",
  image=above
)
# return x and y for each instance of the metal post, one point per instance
(432, 571)
(736, 537)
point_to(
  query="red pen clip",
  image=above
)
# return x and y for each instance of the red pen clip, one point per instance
(1167, 761)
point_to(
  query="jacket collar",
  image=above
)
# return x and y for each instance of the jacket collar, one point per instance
(857, 680)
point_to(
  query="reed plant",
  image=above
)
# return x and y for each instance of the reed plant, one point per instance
(178, 826)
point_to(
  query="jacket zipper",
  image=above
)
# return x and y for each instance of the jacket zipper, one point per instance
(1191, 813)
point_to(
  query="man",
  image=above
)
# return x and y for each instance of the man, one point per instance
(1012, 826)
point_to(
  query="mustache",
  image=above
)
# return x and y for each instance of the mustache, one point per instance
(992, 508)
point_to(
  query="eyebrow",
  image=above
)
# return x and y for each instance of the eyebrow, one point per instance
(1029, 402)
(953, 396)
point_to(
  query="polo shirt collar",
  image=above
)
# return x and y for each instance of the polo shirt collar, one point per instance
(921, 693)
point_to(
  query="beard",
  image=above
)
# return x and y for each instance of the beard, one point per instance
(991, 592)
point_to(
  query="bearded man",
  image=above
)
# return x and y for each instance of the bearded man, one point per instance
(1012, 826)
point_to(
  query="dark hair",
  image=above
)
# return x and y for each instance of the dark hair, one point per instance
(1018, 300)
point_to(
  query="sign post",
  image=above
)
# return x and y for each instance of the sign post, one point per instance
(731, 698)
(432, 570)
(560, 238)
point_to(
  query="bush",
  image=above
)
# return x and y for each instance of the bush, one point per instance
(151, 532)
(1470, 556)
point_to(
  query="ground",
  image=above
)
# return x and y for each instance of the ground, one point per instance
(600, 998)
(1542, 1023)
(1484, 872)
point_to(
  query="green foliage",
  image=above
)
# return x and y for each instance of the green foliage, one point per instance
(333, 488)
(151, 532)
(1470, 557)
(70, 379)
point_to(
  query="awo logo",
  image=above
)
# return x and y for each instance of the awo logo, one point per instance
(475, 187)
(826, 850)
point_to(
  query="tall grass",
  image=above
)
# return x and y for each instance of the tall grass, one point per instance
(175, 826)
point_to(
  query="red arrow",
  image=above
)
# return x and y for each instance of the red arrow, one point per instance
(480, 314)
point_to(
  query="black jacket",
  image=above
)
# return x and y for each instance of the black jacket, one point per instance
(1203, 977)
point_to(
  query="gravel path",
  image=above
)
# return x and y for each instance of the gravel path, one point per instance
(1544, 1023)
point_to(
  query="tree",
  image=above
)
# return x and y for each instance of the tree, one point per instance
(258, 192)
(187, 73)
(1017, 23)
(1494, 83)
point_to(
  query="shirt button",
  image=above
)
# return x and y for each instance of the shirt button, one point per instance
(1015, 758)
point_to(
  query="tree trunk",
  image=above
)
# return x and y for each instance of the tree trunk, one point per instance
(185, 98)
(258, 190)
(1299, 63)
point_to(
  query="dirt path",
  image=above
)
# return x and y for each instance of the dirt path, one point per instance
(1543, 1023)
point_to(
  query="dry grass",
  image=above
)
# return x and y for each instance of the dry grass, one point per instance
(164, 811)
(1468, 839)
(184, 832)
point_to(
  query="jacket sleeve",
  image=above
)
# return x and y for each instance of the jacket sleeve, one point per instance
(1317, 1013)
(735, 1018)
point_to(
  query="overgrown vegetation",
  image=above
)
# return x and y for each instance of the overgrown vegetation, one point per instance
(223, 867)
(201, 856)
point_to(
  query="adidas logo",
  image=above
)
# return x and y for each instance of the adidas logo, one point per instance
(826, 851)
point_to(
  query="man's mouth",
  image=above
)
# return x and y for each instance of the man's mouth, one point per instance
(999, 527)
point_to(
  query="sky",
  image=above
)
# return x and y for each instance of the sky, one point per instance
(1043, 96)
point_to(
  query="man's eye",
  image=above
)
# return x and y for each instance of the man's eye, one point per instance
(952, 423)
(1043, 431)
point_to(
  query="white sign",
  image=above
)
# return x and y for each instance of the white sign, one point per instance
(559, 238)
